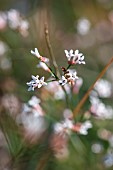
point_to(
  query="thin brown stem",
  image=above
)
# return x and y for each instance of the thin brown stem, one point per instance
(80, 104)
(50, 50)
(43, 161)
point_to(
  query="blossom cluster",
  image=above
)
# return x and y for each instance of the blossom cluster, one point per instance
(69, 76)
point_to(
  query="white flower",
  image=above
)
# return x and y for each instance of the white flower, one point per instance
(74, 57)
(41, 82)
(35, 82)
(63, 81)
(84, 127)
(44, 66)
(58, 128)
(36, 53)
(34, 101)
(72, 76)
(13, 18)
(69, 77)
(103, 88)
(23, 27)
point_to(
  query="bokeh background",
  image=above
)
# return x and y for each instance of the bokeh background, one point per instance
(86, 25)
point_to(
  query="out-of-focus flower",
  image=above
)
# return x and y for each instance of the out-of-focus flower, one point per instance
(11, 104)
(36, 53)
(56, 91)
(65, 126)
(99, 109)
(74, 57)
(68, 114)
(83, 26)
(108, 160)
(35, 82)
(5, 63)
(16, 22)
(3, 20)
(59, 145)
(103, 88)
(13, 18)
(23, 28)
(97, 148)
(3, 48)
(34, 101)
(32, 119)
(77, 85)
(82, 128)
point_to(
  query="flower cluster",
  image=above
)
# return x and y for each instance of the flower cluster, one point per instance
(67, 125)
(69, 76)
(74, 57)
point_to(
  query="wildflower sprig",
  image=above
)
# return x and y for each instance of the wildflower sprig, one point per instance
(68, 76)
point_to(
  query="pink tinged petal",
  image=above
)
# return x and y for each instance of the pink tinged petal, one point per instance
(44, 59)
(43, 65)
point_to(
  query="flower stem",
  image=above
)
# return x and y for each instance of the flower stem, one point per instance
(80, 104)
(52, 72)
(50, 50)
(68, 66)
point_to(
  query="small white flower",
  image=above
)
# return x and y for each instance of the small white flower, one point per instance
(73, 76)
(63, 81)
(74, 57)
(35, 82)
(41, 82)
(36, 53)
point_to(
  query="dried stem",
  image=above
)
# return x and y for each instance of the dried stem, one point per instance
(43, 161)
(50, 50)
(80, 104)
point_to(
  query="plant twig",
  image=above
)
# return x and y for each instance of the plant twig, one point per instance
(50, 50)
(43, 161)
(80, 104)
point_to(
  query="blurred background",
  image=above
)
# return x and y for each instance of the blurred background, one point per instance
(84, 25)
